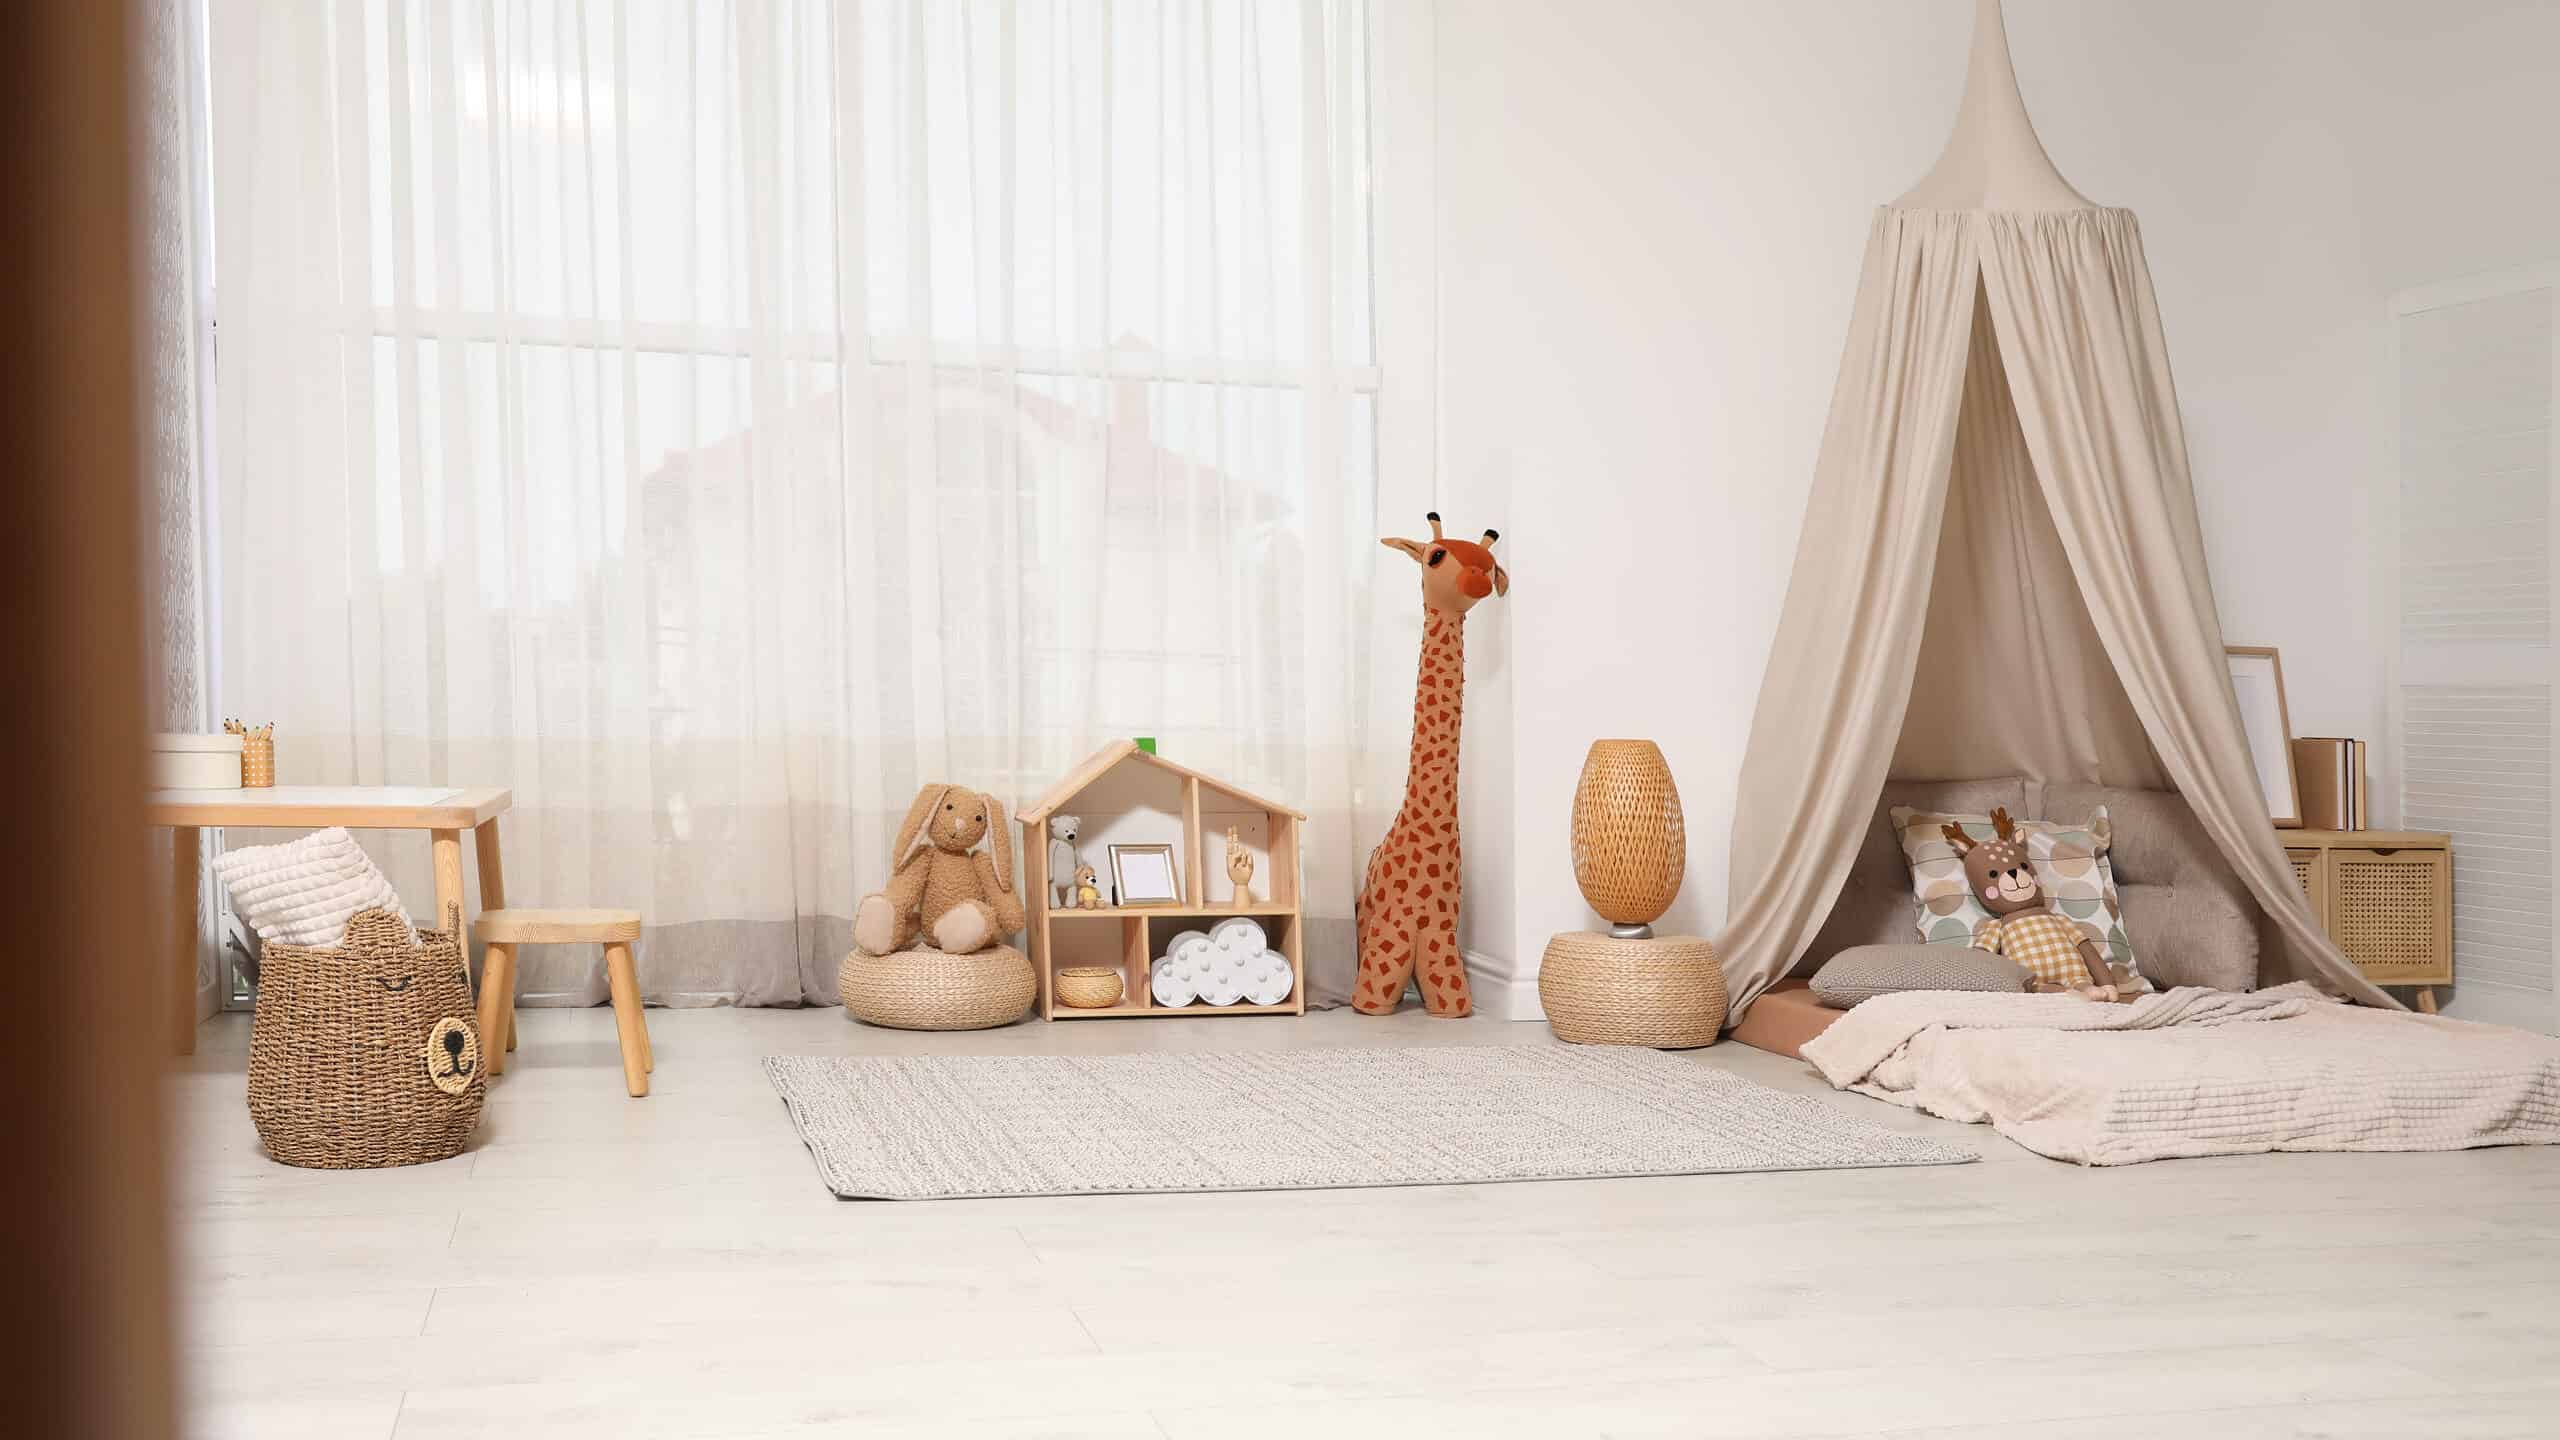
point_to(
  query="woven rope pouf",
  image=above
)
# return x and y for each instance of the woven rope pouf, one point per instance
(928, 990)
(1666, 992)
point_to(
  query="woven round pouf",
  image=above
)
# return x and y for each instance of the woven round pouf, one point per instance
(1666, 992)
(928, 990)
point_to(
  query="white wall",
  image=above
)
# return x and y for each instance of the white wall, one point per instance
(1647, 223)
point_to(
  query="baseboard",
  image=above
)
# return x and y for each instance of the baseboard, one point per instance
(2533, 1010)
(1500, 991)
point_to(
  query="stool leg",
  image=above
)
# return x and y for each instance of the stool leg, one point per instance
(497, 1004)
(493, 896)
(507, 1004)
(626, 1017)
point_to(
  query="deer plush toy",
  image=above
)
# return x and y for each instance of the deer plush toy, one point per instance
(963, 898)
(1407, 911)
(2023, 927)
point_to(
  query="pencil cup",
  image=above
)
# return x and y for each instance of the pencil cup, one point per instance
(258, 761)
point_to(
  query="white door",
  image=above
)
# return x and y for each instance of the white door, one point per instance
(2469, 503)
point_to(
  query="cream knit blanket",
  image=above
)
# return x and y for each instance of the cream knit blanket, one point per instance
(2197, 1072)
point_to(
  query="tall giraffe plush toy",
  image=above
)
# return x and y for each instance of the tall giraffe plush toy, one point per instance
(1408, 908)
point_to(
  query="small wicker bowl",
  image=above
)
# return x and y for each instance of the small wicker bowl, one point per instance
(1089, 987)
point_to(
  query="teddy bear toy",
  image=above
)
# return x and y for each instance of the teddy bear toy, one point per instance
(2053, 951)
(1062, 859)
(1088, 889)
(960, 897)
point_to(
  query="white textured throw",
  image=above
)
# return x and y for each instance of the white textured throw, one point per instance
(2198, 1072)
(304, 891)
(944, 1126)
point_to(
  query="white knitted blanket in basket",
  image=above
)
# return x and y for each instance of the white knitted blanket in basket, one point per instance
(304, 891)
(2197, 1072)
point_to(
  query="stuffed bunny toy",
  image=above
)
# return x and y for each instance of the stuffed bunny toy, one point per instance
(1062, 859)
(962, 899)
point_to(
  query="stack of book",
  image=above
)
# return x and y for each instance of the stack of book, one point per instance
(2329, 775)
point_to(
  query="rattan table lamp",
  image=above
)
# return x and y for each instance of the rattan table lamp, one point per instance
(1630, 848)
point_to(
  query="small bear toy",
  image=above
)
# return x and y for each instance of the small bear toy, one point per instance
(1088, 891)
(1063, 866)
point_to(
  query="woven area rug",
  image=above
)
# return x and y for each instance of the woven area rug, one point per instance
(953, 1126)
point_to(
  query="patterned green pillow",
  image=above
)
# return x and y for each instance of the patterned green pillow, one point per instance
(2071, 868)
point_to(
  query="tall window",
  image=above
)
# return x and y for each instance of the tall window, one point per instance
(714, 420)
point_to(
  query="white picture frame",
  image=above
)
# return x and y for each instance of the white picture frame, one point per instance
(2257, 683)
(1145, 875)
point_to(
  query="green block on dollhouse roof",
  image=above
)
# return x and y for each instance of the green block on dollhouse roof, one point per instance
(1147, 743)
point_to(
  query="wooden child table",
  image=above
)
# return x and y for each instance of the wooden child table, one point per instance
(442, 812)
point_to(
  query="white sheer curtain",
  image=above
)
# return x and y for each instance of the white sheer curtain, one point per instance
(715, 420)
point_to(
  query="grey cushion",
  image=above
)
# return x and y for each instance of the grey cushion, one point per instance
(2192, 920)
(1875, 905)
(1866, 971)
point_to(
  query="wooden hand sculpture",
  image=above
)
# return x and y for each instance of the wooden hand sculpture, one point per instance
(1239, 869)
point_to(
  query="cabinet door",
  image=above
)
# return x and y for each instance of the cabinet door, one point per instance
(2391, 911)
(2312, 874)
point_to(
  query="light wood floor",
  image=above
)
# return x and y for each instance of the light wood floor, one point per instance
(602, 1266)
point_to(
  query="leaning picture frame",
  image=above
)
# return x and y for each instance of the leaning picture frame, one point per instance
(2257, 683)
(1145, 875)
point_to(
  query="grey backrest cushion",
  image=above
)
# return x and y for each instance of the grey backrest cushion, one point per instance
(1862, 972)
(2192, 920)
(1875, 906)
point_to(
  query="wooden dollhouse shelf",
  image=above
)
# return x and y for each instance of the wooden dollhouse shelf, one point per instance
(1289, 1006)
(1179, 912)
(1127, 795)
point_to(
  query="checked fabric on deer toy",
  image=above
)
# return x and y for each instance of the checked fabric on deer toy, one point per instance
(2022, 927)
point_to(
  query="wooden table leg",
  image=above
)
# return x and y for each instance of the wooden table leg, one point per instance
(186, 844)
(2427, 999)
(449, 884)
(625, 982)
(493, 896)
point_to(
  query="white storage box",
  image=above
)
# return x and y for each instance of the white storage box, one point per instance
(195, 762)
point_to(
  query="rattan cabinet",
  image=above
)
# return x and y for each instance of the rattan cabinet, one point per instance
(2386, 897)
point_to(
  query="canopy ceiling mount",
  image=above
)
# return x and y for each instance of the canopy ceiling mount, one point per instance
(1993, 160)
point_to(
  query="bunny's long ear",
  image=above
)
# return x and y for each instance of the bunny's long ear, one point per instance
(917, 814)
(1000, 840)
(1956, 837)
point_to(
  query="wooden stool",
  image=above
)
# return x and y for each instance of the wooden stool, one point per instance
(506, 931)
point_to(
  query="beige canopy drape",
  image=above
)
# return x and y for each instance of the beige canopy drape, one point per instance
(2005, 375)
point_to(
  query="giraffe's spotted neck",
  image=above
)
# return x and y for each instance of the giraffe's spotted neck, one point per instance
(1438, 694)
